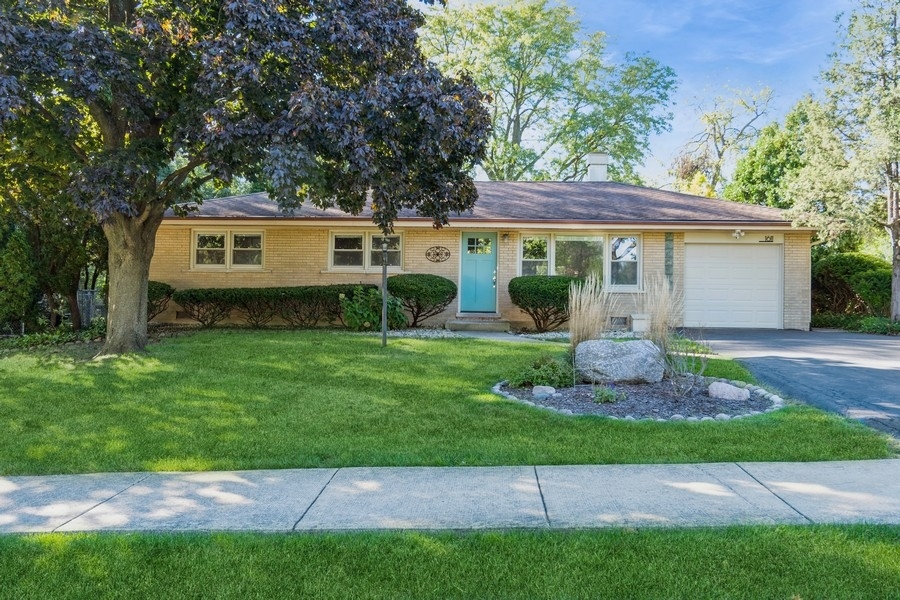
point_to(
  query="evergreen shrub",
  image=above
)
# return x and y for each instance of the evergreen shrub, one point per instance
(543, 298)
(423, 295)
(851, 283)
(158, 296)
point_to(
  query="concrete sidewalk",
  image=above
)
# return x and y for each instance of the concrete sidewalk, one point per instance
(456, 498)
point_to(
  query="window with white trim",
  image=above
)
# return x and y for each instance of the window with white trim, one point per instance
(535, 255)
(393, 250)
(623, 261)
(363, 251)
(578, 255)
(226, 249)
(616, 259)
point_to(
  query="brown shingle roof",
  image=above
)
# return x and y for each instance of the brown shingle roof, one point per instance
(535, 202)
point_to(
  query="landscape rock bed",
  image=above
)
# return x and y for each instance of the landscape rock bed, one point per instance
(657, 401)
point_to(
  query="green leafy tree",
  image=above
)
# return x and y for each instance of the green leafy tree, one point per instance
(555, 97)
(852, 141)
(65, 241)
(329, 102)
(17, 282)
(761, 174)
(730, 126)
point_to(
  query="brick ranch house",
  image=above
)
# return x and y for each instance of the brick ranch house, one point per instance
(738, 265)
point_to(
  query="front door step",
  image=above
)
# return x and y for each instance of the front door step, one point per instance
(475, 324)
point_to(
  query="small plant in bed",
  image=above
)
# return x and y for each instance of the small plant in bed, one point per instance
(607, 394)
(544, 370)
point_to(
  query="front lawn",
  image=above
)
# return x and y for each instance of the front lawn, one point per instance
(735, 562)
(236, 399)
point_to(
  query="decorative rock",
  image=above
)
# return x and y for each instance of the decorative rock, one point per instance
(676, 418)
(566, 411)
(630, 418)
(607, 361)
(722, 417)
(542, 391)
(707, 419)
(726, 391)
(693, 419)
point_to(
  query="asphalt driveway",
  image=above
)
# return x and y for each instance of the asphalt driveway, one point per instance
(855, 375)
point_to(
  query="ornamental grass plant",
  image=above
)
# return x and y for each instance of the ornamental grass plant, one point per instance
(590, 310)
(664, 305)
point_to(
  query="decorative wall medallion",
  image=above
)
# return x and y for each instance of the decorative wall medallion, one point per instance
(437, 254)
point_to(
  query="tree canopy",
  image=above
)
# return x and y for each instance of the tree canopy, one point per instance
(730, 125)
(65, 241)
(852, 142)
(330, 101)
(762, 172)
(555, 96)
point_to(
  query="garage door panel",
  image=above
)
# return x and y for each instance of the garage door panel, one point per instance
(733, 285)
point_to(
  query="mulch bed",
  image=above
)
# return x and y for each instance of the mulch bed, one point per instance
(644, 401)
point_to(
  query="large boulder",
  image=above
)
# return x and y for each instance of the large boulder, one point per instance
(636, 361)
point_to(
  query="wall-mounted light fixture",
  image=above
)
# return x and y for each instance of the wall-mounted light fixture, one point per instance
(738, 234)
(504, 237)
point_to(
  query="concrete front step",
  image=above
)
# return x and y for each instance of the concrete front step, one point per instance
(474, 324)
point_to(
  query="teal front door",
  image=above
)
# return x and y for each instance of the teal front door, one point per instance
(478, 289)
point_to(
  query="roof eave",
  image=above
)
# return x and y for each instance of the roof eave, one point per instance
(494, 223)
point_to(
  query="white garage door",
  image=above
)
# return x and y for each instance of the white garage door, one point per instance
(733, 285)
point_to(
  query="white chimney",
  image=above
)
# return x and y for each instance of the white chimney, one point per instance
(597, 163)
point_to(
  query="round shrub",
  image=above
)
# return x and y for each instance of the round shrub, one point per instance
(423, 295)
(543, 298)
(851, 283)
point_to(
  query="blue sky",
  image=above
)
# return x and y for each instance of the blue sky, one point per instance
(715, 44)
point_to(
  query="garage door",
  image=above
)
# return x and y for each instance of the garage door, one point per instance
(733, 285)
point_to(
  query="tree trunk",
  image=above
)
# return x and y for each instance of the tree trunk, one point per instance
(74, 309)
(895, 279)
(132, 241)
(51, 309)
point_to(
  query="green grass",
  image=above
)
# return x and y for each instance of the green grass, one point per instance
(737, 562)
(238, 399)
(728, 369)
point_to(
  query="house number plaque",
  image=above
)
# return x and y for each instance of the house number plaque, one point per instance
(437, 254)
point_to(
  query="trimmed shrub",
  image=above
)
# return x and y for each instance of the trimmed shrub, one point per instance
(362, 310)
(543, 298)
(423, 295)
(851, 283)
(207, 306)
(544, 370)
(258, 306)
(874, 288)
(158, 296)
(307, 306)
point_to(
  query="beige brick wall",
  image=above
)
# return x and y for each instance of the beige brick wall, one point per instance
(797, 283)
(299, 256)
(293, 256)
